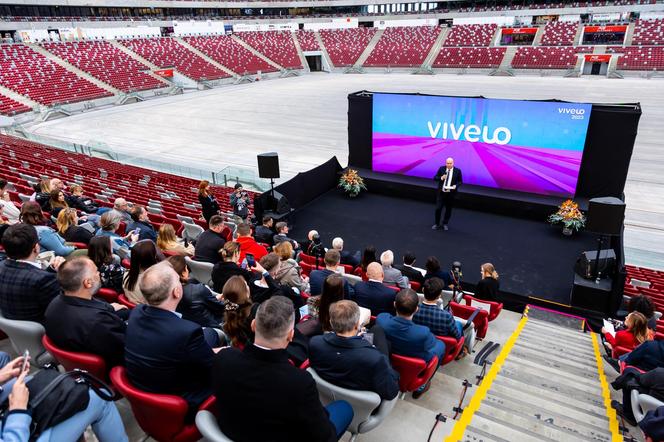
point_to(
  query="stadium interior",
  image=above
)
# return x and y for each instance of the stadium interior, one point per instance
(141, 104)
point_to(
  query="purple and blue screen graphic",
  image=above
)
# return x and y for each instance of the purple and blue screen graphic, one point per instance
(528, 146)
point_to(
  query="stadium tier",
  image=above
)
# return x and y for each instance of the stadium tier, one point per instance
(469, 58)
(646, 58)
(231, 54)
(648, 32)
(345, 46)
(563, 57)
(278, 46)
(403, 46)
(9, 106)
(471, 35)
(307, 40)
(559, 33)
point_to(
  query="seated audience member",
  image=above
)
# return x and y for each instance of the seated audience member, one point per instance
(239, 311)
(110, 270)
(264, 232)
(307, 244)
(431, 315)
(317, 277)
(76, 200)
(650, 383)
(42, 194)
(57, 184)
(109, 223)
(18, 424)
(265, 396)
(229, 266)
(368, 256)
(487, 287)
(373, 294)
(289, 273)
(198, 303)
(9, 209)
(210, 242)
(239, 201)
(49, 239)
(25, 289)
(647, 356)
(121, 209)
(344, 358)
(164, 353)
(57, 202)
(435, 271)
(265, 287)
(635, 334)
(143, 257)
(392, 276)
(348, 258)
(652, 425)
(319, 306)
(68, 228)
(406, 337)
(77, 322)
(167, 241)
(407, 269)
(248, 244)
(209, 204)
(643, 304)
(141, 221)
(282, 235)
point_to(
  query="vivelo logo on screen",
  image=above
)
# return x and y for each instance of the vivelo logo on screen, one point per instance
(528, 146)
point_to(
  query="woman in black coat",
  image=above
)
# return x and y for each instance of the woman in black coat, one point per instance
(487, 287)
(229, 266)
(209, 204)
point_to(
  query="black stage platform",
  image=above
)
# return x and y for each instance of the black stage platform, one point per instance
(533, 258)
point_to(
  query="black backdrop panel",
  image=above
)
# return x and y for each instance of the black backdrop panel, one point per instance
(307, 186)
(606, 156)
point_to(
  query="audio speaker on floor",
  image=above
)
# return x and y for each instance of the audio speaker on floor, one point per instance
(268, 165)
(605, 216)
(585, 265)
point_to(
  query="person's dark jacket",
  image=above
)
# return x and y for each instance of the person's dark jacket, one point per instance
(26, 291)
(456, 178)
(267, 398)
(442, 274)
(147, 230)
(281, 237)
(89, 326)
(210, 206)
(647, 356)
(240, 204)
(199, 305)
(412, 274)
(78, 234)
(349, 258)
(353, 363)
(261, 294)
(44, 201)
(653, 424)
(375, 296)
(83, 203)
(222, 272)
(317, 280)
(487, 289)
(167, 354)
(264, 234)
(208, 245)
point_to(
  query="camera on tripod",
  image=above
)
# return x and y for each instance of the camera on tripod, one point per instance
(316, 248)
(457, 274)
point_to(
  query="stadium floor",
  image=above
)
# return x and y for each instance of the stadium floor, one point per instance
(304, 120)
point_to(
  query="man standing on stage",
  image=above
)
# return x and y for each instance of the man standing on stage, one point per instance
(448, 179)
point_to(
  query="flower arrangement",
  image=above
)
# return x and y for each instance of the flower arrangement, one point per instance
(570, 216)
(352, 183)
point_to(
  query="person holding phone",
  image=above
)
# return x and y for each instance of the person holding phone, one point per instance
(231, 266)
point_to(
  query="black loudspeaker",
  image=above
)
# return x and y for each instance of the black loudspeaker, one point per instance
(605, 216)
(585, 265)
(589, 295)
(268, 165)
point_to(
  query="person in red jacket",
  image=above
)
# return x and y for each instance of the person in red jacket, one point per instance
(248, 244)
(635, 334)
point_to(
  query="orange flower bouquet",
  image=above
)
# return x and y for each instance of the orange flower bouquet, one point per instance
(570, 216)
(352, 183)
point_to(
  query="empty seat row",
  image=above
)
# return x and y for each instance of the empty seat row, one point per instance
(539, 57)
(471, 35)
(403, 46)
(9, 106)
(231, 54)
(649, 32)
(278, 46)
(559, 33)
(307, 40)
(469, 58)
(345, 46)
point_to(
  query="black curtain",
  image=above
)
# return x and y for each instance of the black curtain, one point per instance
(307, 186)
(360, 120)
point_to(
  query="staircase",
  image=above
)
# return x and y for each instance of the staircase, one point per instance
(548, 384)
(629, 36)
(538, 36)
(205, 57)
(370, 47)
(323, 50)
(148, 64)
(435, 48)
(506, 62)
(577, 37)
(256, 53)
(303, 59)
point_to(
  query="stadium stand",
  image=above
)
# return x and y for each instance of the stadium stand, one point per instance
(166, 52)
(106, 62)
(559, 33)
(563, 57)
(9, 106)
(469, 58)
(646, 58)
(35, 76)
(307, 40)
(649, 282)
(230, 53)
(278, 46)
(403, 46)
(471, 35)
(648, 32)
(346, 45)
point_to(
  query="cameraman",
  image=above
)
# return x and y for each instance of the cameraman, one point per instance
(240, 202)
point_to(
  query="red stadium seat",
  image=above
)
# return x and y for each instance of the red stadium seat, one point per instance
(71, 360)
(122, 299)
(452, 348)
(413, 372)
(108, 295)
(481, 320)
(496, 307)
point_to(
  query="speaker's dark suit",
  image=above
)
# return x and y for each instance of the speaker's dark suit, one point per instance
(446, 198)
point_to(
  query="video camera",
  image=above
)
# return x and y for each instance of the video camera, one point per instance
(316, 247)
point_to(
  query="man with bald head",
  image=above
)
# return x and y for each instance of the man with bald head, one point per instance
(448, 179)
(164, 353)
(373, 294)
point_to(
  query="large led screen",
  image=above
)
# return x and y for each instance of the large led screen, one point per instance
(527, 146)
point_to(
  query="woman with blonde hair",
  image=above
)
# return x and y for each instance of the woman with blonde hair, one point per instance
(67, 225)
(168, 241)
(231, 266)
(487, 287)
(635, 333)
(210, 206)
(289, 272)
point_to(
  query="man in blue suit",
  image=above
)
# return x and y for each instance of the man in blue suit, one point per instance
(163, 352)
(317, 277)
(408, 338)
(373, 294)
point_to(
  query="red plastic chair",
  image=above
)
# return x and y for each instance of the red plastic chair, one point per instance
(619, 351)
(452, 348)
(306, 268)
(92, 363)
(413, 372)
(416, 286)
(161, 416)
(495, 309)
(122, 299)
(79, 245)
(481, 320)
(108, 295)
